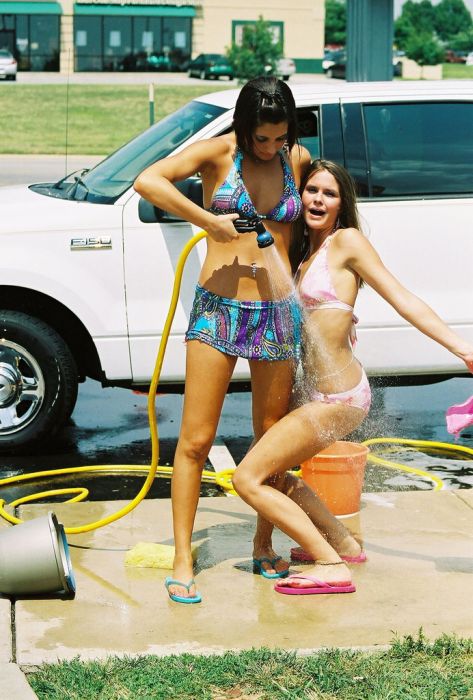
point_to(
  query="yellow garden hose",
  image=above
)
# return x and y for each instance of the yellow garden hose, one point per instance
(223, 479)
(80, 492)
(426, 444)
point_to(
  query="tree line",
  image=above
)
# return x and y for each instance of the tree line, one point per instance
(422, 30)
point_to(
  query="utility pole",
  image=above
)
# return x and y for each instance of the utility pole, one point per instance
(370, 35)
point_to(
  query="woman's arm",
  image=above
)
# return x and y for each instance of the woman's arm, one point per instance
(156, 185)
(300, 159)
(365, 261)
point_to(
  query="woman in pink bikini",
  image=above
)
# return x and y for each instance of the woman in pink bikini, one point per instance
(335, 257)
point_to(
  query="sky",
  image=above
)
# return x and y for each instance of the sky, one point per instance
(398, 5)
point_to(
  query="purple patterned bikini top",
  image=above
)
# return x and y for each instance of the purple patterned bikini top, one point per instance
(233, 197)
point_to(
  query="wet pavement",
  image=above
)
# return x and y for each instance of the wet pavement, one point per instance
(419, 567)
(110, 426)
(419, 546)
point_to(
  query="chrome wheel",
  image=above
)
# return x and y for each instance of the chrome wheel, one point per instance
(38, 381)
(21, 388)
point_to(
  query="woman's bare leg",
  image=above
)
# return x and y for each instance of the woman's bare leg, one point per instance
(271, 384)
(271, 399)
(297, 437)
(203, 400)
(339, 536)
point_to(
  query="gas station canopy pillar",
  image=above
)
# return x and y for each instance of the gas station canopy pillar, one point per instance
(370, 34)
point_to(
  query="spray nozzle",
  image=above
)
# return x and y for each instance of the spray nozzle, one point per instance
(263, 237)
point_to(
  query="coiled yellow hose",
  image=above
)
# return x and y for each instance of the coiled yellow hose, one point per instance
(426, 444)
(223, 479)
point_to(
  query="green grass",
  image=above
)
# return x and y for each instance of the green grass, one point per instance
(101, 117)
(412, 669)
(456, 71)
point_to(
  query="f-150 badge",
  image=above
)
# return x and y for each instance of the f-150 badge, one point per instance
(91, 243)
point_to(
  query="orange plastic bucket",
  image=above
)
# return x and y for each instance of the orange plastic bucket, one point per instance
(336, 474)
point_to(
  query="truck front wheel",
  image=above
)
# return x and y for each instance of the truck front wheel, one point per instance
(38, 381)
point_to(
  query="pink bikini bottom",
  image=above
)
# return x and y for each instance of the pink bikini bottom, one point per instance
(358, 397)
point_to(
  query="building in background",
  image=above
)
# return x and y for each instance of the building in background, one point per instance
(32, 32)
(136, 35)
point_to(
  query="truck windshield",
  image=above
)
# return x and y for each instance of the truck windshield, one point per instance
(114, 175)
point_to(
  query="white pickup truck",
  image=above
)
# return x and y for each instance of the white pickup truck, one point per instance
(87, 266)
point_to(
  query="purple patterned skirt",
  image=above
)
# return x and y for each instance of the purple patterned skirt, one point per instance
(255, 330)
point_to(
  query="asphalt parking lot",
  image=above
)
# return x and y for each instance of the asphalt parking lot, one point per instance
(110, 426)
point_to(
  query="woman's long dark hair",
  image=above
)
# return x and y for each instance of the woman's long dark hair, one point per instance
(348, 216)
(265, 100)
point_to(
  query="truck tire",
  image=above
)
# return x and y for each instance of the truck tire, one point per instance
(38, 382)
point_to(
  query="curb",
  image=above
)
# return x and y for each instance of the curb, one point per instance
(13, 683)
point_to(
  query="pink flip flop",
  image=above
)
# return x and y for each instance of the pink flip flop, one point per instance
(459, 416)
(298, 554)
(320, 587)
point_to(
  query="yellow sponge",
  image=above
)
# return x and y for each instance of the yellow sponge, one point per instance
(153, 555)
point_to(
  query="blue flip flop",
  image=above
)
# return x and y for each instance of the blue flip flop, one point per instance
(197, 598)
(258, 567)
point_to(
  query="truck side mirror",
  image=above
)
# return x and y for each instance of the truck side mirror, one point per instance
(149, 214)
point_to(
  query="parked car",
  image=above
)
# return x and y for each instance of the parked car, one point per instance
(332, 57)
(285, 67)
(143, 61)
(210, 66)
(337, 63)
(87, 265)
(157, 61)
(8, 65)
(397, 63)
(452, 56)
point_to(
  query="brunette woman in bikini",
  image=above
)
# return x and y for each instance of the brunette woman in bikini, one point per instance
(253, 172)
(336, 257)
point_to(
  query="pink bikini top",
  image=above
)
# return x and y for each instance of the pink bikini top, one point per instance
(316, 289)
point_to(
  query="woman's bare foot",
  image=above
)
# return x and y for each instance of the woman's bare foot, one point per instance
(183, 571)
(264, 552)
(337, 574)
(346, 547)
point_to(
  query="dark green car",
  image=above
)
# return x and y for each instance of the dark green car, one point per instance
(210, 66)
